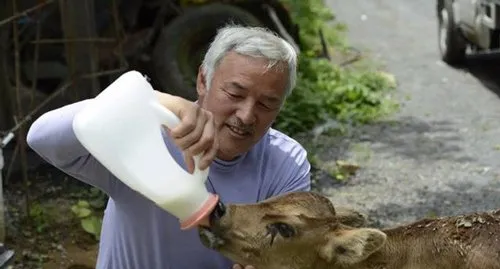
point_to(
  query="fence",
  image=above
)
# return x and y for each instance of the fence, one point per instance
(21, 102)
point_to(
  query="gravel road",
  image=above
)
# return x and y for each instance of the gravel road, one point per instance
(440, 154)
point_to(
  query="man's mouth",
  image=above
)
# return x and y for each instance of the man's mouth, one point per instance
(209, 239)
(238, 132)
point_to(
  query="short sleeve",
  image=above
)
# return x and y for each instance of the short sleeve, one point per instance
(293, 172)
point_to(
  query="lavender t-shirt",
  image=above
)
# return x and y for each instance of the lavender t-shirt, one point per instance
(136, 234)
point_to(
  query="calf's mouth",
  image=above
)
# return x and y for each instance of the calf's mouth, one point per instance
(210, 239)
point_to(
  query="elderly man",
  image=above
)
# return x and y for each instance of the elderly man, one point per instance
(242, 84)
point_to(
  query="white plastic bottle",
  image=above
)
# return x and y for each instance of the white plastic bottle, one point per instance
(121, 127)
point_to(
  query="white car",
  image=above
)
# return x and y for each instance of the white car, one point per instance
(463, 24)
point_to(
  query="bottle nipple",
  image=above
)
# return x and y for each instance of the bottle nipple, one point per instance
(204, 215)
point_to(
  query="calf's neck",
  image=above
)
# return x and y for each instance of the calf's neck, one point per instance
(302, 230)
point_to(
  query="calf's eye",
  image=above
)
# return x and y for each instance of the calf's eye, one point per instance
(282, 229)
(285, 230)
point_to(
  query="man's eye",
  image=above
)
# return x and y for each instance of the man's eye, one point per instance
(265, 106)
(233, 95)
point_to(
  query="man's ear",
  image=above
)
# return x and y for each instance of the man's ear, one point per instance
(352, 246)
(201, 83)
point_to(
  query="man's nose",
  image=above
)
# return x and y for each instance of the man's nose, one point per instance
(246, 113)
(218, 212)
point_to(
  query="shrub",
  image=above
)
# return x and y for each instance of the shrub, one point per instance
(325, 90)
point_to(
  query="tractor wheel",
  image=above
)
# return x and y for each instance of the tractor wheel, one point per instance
(182, 44)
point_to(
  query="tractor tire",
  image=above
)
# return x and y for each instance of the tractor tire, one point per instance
(182, 44)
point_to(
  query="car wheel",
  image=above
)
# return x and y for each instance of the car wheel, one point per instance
(452, 45)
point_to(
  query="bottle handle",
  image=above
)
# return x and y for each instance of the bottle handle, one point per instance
(171, 120)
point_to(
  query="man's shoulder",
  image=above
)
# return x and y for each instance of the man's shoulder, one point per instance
(281, 145)
(285, 164)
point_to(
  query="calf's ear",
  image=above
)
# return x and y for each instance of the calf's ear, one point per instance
(350, 217)
(351, 246)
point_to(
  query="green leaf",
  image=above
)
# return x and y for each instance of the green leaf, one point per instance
(83, 203)
(75, 209)
(83, 212)
(92, 225)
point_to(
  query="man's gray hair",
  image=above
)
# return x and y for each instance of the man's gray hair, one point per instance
(254, 42)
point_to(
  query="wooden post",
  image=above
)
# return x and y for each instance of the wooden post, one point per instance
(78, 21)
(6, 97)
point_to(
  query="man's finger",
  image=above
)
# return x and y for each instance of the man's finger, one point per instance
(189, 163)
(188, 123)
(209, 155)
(206, 140)
(191, 138)
(237, 266)
(208, 158)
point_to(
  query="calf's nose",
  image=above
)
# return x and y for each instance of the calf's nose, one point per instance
(218, 212)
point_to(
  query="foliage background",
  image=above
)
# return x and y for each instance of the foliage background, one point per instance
(326, 90)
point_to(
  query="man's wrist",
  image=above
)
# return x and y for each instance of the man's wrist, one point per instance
(171, 102)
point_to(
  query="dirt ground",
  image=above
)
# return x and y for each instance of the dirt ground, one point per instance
(50, 236)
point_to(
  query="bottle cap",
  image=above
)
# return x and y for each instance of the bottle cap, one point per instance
(202, 213)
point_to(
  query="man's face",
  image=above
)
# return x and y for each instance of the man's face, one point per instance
(244, 97)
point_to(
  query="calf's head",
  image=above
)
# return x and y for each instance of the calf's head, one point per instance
(295, 230)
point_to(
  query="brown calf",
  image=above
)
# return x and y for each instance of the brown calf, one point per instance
(302, 230)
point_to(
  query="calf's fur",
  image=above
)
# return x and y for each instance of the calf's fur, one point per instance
(302, 230)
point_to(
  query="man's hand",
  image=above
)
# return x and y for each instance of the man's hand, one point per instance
(237, 266)
(196, 132)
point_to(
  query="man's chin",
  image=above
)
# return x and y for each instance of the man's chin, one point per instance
(229, 150)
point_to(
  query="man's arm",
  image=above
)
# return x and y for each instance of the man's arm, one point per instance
(51, 136)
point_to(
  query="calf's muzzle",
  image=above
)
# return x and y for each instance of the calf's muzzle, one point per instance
(217, 213)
